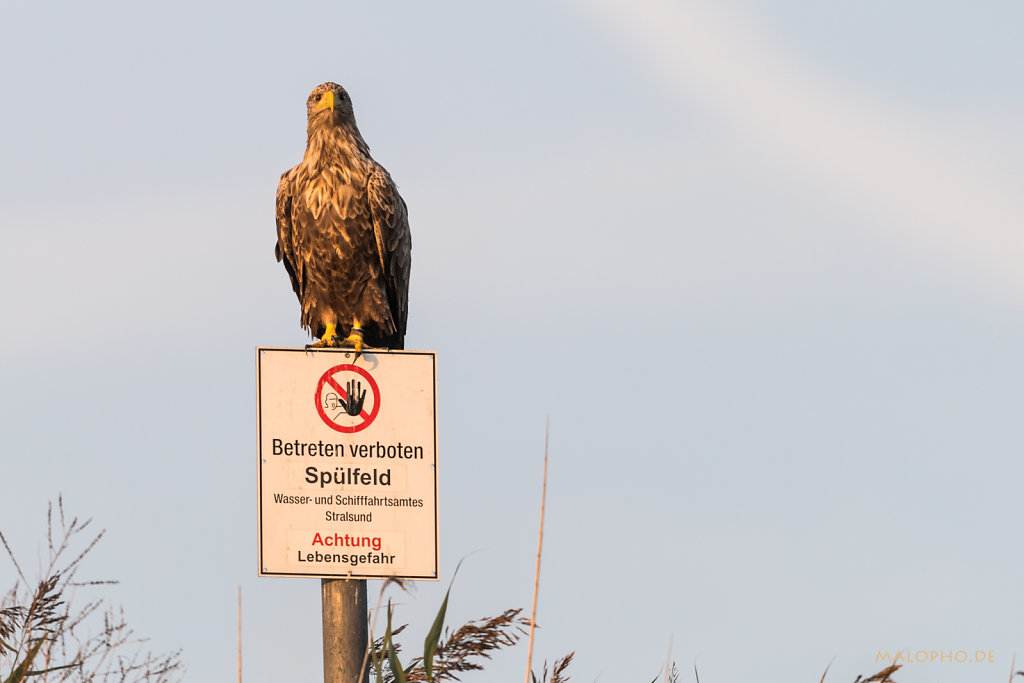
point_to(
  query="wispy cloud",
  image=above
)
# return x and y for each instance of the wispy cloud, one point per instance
(871, 151)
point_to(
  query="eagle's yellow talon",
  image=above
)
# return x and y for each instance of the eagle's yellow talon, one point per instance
(354, 340)
(329, 339)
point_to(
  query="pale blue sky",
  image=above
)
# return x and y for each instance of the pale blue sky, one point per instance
(759, 262)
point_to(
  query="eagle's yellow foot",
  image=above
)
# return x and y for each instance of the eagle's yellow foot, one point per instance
(355, 341)
(352, 341)
(329, 340)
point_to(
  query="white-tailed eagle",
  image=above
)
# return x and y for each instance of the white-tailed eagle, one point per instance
(343, 232)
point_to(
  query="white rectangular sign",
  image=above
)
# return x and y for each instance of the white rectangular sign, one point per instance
(347, 463)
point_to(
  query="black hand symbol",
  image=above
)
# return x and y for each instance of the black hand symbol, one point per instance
(356, 396)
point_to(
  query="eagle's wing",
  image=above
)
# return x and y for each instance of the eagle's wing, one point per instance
(287, 249)
(394, 243)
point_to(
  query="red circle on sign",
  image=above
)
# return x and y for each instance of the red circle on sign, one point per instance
(327, 378)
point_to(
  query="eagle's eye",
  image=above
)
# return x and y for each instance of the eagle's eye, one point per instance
(318, 97)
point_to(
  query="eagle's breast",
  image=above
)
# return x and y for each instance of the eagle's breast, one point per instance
(342, 193)
(344, 278)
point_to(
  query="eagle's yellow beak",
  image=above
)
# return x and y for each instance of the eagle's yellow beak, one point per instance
(327, 101)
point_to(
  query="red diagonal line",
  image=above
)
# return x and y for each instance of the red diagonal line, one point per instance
(344, 396)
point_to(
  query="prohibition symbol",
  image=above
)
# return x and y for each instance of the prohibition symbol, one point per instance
(347, 398)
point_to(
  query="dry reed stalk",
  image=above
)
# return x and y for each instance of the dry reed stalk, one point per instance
(668, 660)
(540, 545)
(239, 634)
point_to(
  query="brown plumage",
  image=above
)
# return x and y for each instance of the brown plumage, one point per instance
(343, 230)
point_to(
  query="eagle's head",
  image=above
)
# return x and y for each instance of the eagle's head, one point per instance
(331, 131)
(329, 105)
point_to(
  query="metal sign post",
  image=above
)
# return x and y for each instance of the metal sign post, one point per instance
(344, 607)
(347, 479)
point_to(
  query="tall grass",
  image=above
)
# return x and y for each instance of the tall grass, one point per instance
(52, 630)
